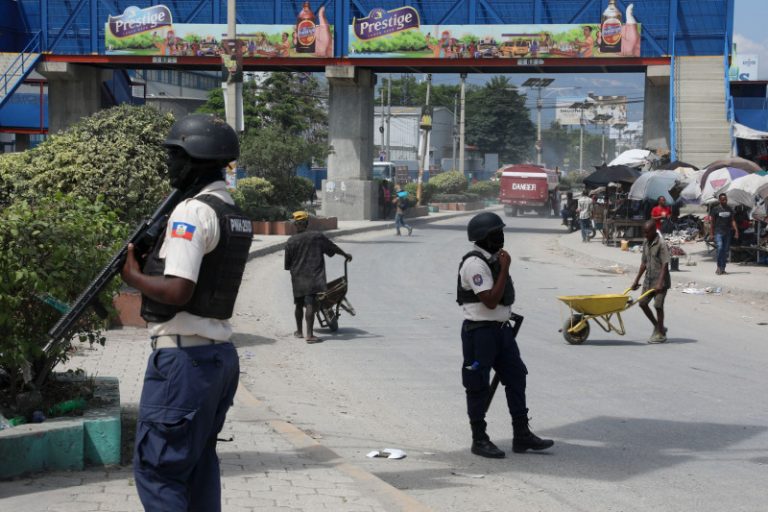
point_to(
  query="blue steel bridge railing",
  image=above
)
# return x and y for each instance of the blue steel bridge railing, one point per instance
(17, 66)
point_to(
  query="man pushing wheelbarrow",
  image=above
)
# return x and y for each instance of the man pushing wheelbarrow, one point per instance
(603, 308)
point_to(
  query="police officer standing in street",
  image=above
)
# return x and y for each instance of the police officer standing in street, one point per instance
(189, 283)
(486, 292)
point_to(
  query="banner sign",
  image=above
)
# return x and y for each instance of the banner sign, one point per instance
(399, 34)
(606, 110)
(151, 31)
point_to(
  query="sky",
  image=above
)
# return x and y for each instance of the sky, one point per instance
(750, 36)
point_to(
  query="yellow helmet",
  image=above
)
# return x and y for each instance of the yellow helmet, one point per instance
(300, 216)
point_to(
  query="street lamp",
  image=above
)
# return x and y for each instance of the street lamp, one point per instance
(602, 119)
(538, 84)
(581, 106)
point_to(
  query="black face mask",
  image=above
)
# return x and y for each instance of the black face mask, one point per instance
(179, 167)
(494, 242)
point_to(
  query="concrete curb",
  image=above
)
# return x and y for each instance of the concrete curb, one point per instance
(391, 497)
(279, 246)
(66, 443)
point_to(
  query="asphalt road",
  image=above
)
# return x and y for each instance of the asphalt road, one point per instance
(638, 427)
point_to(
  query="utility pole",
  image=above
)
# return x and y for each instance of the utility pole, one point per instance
(581, 141)
(454, 131)
(425, 140)
(234, 91)
(581, 106)
(462, 119)
(538, 84)
(389, 113)
(381, 126)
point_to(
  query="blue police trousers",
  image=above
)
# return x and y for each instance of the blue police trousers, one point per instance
(186, 395)
(487, 347)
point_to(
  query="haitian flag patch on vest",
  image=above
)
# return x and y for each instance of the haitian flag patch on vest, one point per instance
(182, 230)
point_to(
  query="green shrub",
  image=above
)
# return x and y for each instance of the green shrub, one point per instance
(12, 176)
(452, 182)
(253, 195)
(428, 190)
(51, 248)
(291, 192)
(485, 189)
(115, 154)
(466, 197)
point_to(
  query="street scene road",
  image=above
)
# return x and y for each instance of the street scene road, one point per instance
(678, 426)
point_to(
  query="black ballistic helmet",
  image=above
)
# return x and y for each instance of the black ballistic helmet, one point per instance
(204, 137)
(482, 224)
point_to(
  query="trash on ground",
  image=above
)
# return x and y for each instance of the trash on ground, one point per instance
(702, 291)
(388, 453)
(468, 475)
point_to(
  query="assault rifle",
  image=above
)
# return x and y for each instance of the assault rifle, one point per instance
(517, 323)
(143, 239)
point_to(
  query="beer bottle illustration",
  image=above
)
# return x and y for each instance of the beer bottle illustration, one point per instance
(610, 29)
(305, 30)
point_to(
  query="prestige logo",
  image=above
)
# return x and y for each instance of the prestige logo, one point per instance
(135, 20)
(381, 23)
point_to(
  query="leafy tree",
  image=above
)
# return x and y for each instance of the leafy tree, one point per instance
(407, 92)
(286, 126)
(294, 102)
(498, 121)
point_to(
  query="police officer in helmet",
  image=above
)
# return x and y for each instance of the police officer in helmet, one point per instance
(189, 283)
(486, 292)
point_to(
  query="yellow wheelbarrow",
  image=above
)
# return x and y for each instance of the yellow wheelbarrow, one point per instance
(601, 309)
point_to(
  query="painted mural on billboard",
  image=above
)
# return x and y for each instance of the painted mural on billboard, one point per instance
(600, 110)
(151, 31)
(398, 33)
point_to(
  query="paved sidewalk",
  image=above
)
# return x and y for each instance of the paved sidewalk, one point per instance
(697, 267)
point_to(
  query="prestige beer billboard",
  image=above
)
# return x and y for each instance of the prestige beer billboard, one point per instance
(398, 33)
(151, 31)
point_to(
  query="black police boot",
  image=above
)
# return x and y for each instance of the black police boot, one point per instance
(524, 439)
(481, 443)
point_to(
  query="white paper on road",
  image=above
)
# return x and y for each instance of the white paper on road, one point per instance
(389, 453)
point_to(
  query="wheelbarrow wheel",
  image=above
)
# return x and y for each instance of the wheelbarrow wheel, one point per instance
(333, 320)
(578, 337)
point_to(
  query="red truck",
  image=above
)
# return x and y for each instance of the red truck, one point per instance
(528, 187)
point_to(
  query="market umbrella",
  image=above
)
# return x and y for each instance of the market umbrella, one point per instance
(613, 173)
(717, 181)
(734, 161)
(691, 193)
(633, 158)
(714, 166)
(671, 166)
(746, 189)
(652, 184)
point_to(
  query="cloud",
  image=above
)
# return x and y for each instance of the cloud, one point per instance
(745, 45)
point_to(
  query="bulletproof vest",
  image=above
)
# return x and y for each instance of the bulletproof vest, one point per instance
(220, 273)
(468, 296)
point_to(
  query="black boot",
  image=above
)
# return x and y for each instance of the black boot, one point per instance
(481, 443)
(524, 439)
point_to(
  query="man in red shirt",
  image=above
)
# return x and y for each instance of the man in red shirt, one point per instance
(660, 212)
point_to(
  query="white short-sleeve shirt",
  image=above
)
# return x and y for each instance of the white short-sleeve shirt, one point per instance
(192, 232)
(476, 275)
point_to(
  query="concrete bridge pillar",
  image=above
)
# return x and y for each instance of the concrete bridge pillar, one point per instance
(656, 108)
(350, 193)
(74, 92)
